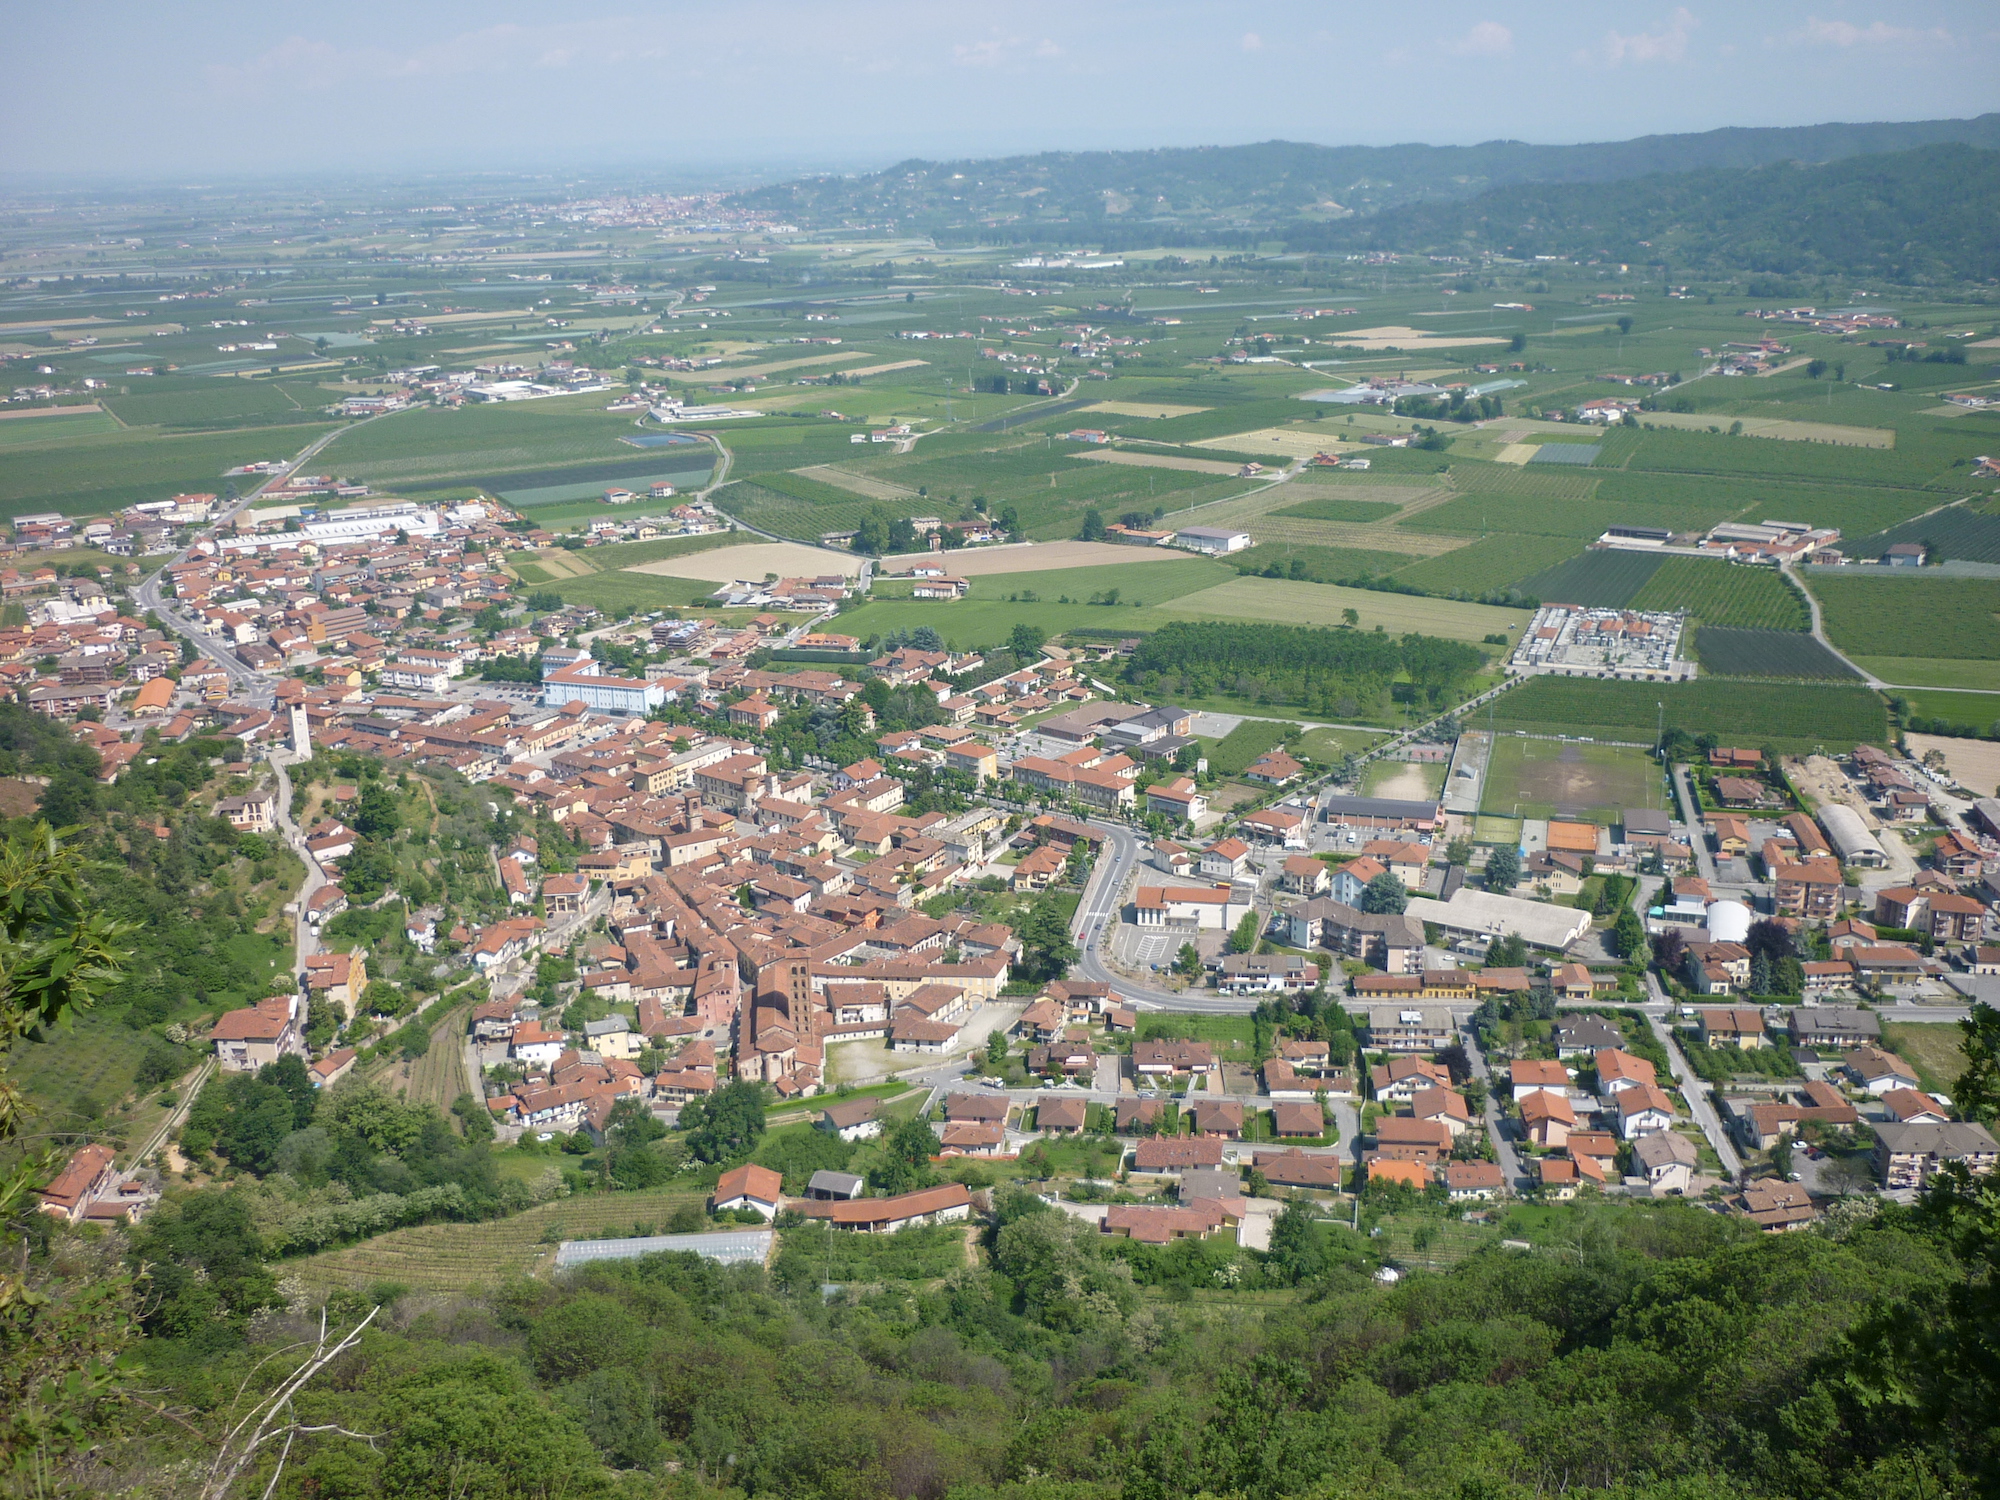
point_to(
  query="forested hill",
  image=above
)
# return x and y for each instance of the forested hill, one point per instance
(1131, 197)
(1915, 216)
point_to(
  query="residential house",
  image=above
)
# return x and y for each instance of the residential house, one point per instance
(1667, 1160)
(749, 1186)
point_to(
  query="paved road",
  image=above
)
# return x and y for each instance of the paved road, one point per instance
(1819, 626)
(1691, 815)
(252, 685)
(1511, 1166)
(1097, 915)
(306, 940)
(1693, 1089)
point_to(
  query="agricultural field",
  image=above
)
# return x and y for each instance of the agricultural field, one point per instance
(197, 401)
(432, 446)
(1334, 508)
(1531, 778)
(97, 473)
(1604, 579)
(1794, 718)
(1052, 602)
(1971, 676)
(1886, 616)
(453, 1257)
(1955, 534)
(1489, 564)
(1283, 602)
(1723, 594)
(1537, 515)
(1766, 653)
(1970, 713)
(58, 424)
(1238, 750)
(1316, 564)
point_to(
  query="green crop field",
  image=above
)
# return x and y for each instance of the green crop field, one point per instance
(57, 427)
(1282, 602)
(206, 402)
(1540, 516)
(1529, 778)
(95, 474)
(1793, 654)
(1792, 717)
(1721, 593)
(1956, 534)
(1238, 750)
(987, 613)
(452, 1257)
(1707, 453)
(1333, 508)
(1946, 617)
(1492, 562)
(1316, 564)
(638, 592)
(1934, 672)
(1597, 580)
(1967, 715)
(431, 445)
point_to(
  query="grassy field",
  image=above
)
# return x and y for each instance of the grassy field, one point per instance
(1282, 602)
(1792, 718)
(1975, 711)
(1317, 564)
(1060, 601)
(1327, 747)
(1933, 1048)
(1236, 751)
(452, 1257)
(1927, 672)
(1543, 779)
(1492, 562)
(1879, 616)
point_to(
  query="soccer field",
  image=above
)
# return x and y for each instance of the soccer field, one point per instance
(1529, 778)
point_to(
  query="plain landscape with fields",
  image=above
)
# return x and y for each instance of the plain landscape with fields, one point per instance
(465, 538)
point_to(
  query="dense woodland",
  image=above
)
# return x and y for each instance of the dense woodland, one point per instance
(1658, 1354)
(1912, 217)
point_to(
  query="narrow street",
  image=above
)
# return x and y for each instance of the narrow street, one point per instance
(1691, 815)
(1692, 1088)
(1511, 1166)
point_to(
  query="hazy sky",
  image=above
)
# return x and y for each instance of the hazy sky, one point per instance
(211, 87)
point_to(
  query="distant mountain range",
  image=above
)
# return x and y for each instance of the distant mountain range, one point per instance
(1122, 196)
(1922, 216)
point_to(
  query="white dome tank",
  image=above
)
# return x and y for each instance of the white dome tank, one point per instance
(1728, 922)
